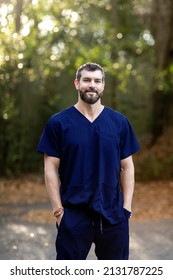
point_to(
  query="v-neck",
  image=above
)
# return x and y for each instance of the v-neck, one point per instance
(84, 117)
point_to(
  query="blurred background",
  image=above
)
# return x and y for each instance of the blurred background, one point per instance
(42, 43)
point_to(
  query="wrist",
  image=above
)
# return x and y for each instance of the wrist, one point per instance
(129, 208)
(58, 212)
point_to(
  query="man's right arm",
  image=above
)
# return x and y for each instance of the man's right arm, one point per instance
(52, 181)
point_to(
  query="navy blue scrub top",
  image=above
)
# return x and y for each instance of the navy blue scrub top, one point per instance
(90, 154)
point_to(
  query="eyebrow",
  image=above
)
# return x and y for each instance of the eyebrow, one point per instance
(96, 79)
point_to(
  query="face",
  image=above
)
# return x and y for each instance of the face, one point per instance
(90, 86)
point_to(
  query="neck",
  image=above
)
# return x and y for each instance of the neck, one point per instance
(90, 111)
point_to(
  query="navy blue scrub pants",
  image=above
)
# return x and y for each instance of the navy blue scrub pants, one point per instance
(79, 229)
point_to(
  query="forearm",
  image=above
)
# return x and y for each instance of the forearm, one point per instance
(52, 183)
(52, 180)
(127, 184)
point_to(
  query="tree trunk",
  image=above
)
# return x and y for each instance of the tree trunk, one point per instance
(162, 99)
(114, 82)
(19, 7)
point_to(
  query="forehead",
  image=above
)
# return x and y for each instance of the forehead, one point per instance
(97, 74)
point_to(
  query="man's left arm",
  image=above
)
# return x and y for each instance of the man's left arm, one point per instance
(127, 181)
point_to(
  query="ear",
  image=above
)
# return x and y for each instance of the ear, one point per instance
(76, 83)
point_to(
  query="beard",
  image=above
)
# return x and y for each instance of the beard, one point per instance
(90, 98)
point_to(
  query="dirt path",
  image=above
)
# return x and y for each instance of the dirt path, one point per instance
(27, 228)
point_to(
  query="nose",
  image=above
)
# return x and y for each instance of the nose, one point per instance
(92, 84)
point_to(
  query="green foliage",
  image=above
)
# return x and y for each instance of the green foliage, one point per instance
(39, 61)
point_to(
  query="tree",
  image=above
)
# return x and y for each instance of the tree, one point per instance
(41, 45)
(19, 7)
(162, 99)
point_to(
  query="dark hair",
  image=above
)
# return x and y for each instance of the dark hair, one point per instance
(89, 66)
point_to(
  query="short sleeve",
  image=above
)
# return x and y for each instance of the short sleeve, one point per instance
(50, 142)
(128, 144)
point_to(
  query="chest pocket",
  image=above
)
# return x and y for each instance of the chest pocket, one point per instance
(111, 139)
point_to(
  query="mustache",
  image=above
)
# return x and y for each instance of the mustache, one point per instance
(90, 90)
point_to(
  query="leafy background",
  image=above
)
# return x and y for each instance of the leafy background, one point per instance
(41, 45)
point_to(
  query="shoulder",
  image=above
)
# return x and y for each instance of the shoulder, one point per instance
(115, 115)
(61, 116)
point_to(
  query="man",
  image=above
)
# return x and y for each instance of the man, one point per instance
(89, 172)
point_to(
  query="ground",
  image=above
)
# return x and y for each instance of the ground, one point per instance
(152, 201)
(28, 232)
